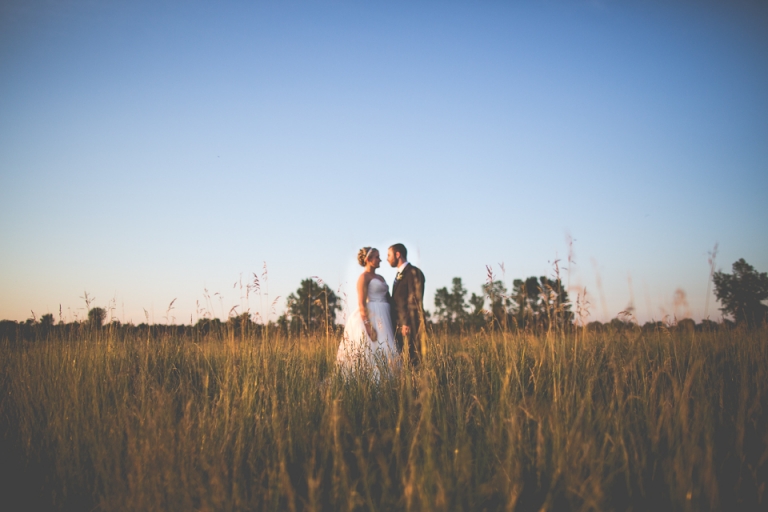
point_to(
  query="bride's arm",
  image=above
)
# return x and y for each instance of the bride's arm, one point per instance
(362, 300)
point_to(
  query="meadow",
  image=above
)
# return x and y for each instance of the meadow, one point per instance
(107, 419)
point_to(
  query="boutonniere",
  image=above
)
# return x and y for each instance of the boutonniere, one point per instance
(399, 276)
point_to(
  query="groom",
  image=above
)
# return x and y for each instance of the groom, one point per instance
(408, 304)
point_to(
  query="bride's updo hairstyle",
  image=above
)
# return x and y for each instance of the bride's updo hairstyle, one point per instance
(362, 255)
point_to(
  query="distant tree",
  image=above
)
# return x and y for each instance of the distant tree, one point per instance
(477, 315)
(242, 324)
(207, 325)
(477, 302)
(555, 304)
(453, 311)
(652, 326)
(526, 298)
(451, 307)
(96, 317)
(742, 293)
(312, 307)
(596, 326)
(8, 329)
(284, 323)
(46, 320)
(540, 303)
(620, 324)
(500, 301)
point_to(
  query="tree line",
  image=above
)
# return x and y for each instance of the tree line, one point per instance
(535, 304)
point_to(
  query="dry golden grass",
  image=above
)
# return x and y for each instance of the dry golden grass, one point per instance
(104, 420)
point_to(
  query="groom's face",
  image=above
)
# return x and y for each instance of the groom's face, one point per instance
(391, 258)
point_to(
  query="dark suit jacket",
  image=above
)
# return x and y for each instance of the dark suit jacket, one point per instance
(408, 307)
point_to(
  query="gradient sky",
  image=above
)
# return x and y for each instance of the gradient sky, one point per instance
(150, 151)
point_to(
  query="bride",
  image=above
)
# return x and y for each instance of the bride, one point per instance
(368, 335)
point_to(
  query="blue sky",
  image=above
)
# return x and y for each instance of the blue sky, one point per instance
(150, 151)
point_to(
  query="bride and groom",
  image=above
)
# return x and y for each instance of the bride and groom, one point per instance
(384, 327)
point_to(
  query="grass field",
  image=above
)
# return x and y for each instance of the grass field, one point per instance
(105, 420)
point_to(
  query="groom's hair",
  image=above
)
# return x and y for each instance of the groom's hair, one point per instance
(401, 249)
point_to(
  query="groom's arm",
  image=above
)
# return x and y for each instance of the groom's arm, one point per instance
(420, 289)
(416, 297)
(401, 304)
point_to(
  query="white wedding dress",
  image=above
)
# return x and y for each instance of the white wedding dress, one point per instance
(357, 352)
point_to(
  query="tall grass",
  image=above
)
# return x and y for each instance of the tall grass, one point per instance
(101, 420)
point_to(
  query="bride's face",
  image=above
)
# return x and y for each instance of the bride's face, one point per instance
(374, 260)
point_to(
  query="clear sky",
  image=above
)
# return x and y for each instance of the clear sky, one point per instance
(151, 151)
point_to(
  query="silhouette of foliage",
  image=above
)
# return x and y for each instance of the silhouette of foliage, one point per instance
(311, 307)
(452, 311)
(242, 324)
(477, 316)
(535, 303)
(208, 325)
(541, 303)
(451, 307)
(46, 320)
(525, 295)
(742, 293)
(555, 303)
(96, 317)
(500, 303)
